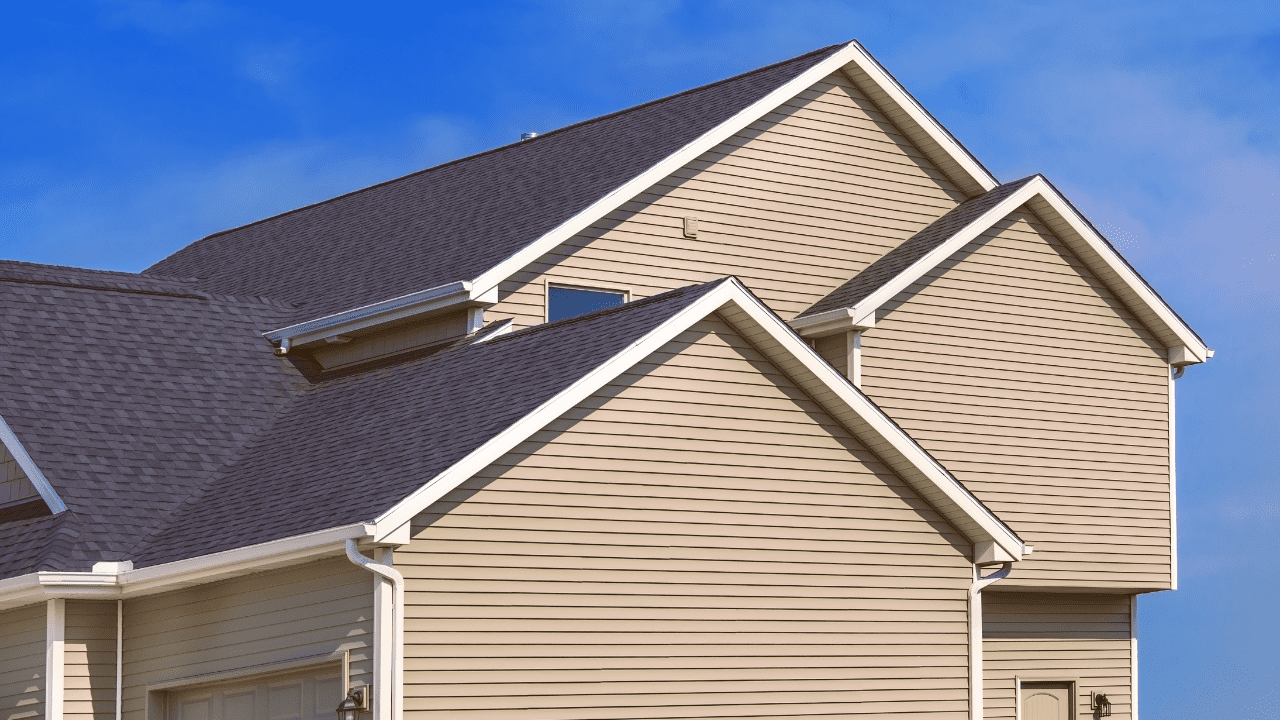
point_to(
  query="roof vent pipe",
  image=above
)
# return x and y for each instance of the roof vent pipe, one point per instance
(528, 136)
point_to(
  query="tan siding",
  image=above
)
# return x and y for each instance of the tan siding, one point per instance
(1026, 378)
(1034, 636)
(259, 620)
(14, 486)
(793, 205)
(90, 660)
(22, 637)
(658, 553)
(399, 339)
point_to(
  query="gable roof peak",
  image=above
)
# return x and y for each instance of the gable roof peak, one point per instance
(853, 305)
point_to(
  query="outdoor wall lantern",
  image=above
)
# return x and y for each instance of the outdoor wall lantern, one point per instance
(354, 703)
(1100, 705)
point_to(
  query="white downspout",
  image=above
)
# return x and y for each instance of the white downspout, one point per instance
(119, 658)
(388, 695)
(975, 634)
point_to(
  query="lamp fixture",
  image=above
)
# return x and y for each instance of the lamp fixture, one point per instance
(356, 701)
(1100, 705)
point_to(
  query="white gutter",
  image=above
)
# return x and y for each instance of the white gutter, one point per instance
(975, 634)
(432, 301)
(388, 668)
(112, 581)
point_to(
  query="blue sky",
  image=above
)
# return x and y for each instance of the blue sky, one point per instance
(128, 129)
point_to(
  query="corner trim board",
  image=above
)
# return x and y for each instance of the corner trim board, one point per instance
(55, 666)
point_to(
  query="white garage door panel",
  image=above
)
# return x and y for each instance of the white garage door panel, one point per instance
(309, 695)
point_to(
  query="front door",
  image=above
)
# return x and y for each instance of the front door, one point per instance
(1046, 701)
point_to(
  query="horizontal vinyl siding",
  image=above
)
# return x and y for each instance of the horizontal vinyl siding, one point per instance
(794, 205)
(255, 621)
(22, 638)
(1026, 378)
(698, 539)
(1035, 636)
(14, 485)
(90, 660)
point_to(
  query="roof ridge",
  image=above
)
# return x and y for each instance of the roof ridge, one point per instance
(519, 143)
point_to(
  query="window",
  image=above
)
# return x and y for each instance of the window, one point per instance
(567, 302)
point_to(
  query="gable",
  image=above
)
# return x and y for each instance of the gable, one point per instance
(1026, 377)
(697, 532)
(793, 204)
(15, 488)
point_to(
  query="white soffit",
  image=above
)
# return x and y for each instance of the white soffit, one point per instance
(864, 71)
(771, 335)
(34, 476)
(1185, 347)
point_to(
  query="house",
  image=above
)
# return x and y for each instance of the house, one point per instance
(761, 400)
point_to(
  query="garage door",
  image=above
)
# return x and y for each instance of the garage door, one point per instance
(309, 695)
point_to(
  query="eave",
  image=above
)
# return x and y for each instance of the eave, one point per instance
(381, 315)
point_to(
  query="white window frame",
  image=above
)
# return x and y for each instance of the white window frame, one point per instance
(549, 283)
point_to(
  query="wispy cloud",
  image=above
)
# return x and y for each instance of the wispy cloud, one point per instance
(164, 18)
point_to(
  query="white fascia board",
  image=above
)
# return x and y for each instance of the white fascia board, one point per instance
(789, 351)
(108, 585)
(230, 563)
(483, 456)
(850, 53)
(769, 334)
(456, 295)
(34, 476)
(842, 319)
(1185, 348)
(833, 321)
(1116, 273)
(909, 106)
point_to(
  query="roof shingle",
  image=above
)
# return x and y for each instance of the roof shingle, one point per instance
(457, 220)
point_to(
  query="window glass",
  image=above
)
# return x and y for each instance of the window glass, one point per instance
(565, 302)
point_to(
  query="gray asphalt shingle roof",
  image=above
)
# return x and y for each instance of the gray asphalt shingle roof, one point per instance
(170, 429)
(352, 446)
(126, 391)
(455, 221)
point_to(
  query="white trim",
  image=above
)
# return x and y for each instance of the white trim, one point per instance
(1173, 489)
(791, 354)
(851, 53)
(1074, 230)
(111, 585)
(1133, 657)
(119, 659)
(431, 301)
(908, 105)
(34, 476)
(548, 283)
(55, 667)
(1017, 698)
